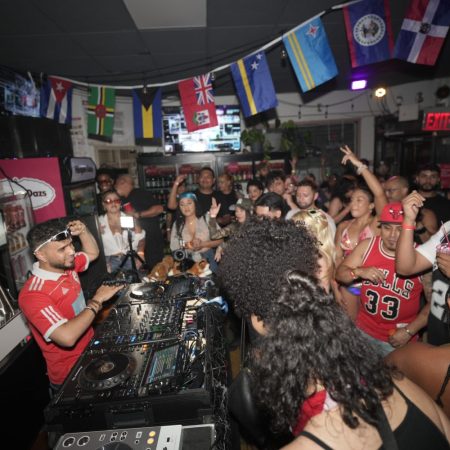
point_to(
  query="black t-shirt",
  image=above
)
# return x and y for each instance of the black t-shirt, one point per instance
(204, 201)
(440, 206)
(225, 200)
(142, 200)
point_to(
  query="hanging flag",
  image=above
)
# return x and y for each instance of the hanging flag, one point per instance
(147, 116)
(197, 99)
(369, 31)
(423, 31)
(310, 55)
(101, 106)
(56, 100)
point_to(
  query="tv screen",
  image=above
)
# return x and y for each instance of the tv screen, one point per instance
(226, 136)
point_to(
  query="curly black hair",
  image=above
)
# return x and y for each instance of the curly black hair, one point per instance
(311, 341)
(256, 258)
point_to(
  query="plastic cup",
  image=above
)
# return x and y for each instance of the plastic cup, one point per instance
(127, 207)
(443, 248)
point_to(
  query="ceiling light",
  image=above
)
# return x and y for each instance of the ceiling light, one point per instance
(358, 84)
(380, 92)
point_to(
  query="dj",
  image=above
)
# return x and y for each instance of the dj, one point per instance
(52, 300)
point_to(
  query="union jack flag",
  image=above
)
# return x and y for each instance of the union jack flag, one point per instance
(203, 89)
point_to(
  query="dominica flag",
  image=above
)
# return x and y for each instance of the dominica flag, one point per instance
(147, 116)
(101, 107)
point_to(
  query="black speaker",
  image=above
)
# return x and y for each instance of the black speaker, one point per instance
(22, 137)
(92, 277)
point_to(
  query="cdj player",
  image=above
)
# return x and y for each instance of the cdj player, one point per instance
(146, 364)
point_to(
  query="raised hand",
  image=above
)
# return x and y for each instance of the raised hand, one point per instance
(411, 205)
(349, 156)
(215, 208)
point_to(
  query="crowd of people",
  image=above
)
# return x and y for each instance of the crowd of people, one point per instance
(337, 282)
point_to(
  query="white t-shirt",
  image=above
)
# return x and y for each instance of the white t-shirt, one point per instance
(117, 244)
(440, 281)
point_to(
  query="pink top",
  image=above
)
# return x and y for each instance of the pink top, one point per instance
(346, 243)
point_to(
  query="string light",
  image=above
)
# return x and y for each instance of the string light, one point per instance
(380, 92)
(213, 76)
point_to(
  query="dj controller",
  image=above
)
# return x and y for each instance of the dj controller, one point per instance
(169, 437)
(145, 365)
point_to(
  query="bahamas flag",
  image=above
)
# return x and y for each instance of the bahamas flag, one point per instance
(147, 116)
(101, 107)
(254, 84)
(310, 55)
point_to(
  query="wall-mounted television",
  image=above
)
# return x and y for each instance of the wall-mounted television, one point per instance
(225, 137)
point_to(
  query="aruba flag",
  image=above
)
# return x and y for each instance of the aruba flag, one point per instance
(310, 54)
(254, 84)
(147, 116)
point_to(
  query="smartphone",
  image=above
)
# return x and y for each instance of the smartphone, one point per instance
(126, 221)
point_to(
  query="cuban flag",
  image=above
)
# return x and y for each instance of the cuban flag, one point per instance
(56, 100)
(423, 31)
(369, 32)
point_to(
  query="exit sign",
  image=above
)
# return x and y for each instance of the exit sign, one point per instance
(436, 121)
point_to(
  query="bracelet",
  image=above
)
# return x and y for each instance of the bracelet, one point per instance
(90, 308)
(408, 227)
(96, 302)
(353, 275)
(360, 168)
(408, 332)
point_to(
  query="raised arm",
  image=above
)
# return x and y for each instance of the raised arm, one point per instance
(88, 242)
(172, 200)
(407, 260)
(370, 179)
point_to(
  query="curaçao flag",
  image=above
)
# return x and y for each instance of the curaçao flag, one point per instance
(147, 116)
(369, 32)
(56, 100)
(310, 54)
(254, 84)
(423, 31)
(101, 107)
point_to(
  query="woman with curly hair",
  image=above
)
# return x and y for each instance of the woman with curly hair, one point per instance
(313, 370)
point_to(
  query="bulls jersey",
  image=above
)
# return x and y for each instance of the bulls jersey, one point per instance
(395, 301)
(48, 300)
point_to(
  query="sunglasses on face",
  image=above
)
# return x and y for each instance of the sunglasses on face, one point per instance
(110, 201)
(61, 236)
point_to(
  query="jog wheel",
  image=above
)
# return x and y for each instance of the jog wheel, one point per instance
(107, 371)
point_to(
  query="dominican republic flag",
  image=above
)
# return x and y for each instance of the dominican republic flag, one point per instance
(254, 84)
(197, 100)
(56, 100)
(310, 54)
(369, 32)
(423, 31)
(101, 108)
(147, 116)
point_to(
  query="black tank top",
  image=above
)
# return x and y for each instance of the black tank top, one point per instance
(417, 431)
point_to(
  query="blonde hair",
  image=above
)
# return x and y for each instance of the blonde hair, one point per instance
(317, 223)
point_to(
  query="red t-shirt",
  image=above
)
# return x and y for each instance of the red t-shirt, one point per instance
(47, 300)
(395, 301)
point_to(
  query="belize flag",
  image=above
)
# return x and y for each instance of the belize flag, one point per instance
(56, 100)
(423, 31)
(310, 55)
(254, 85)
(369, 32)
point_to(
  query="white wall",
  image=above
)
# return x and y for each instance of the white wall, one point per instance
(361, 106)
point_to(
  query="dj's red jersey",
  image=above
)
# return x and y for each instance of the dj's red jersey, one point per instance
(388, 305)
(48, 300)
